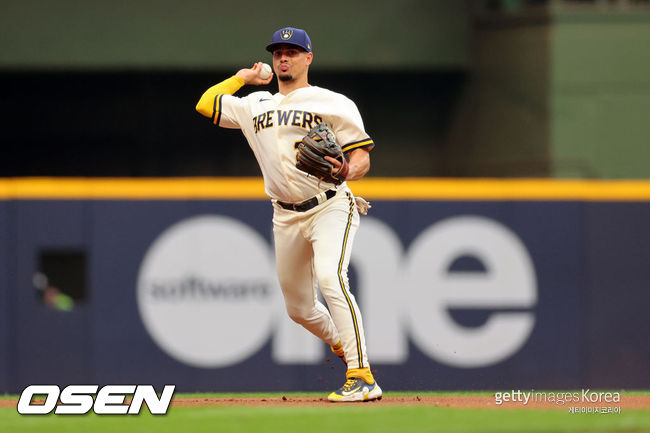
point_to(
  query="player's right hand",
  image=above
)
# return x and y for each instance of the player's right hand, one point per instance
(251, 76)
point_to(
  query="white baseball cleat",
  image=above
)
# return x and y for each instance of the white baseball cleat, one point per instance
(356, 389)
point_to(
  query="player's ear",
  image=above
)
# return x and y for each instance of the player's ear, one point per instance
(310, 57)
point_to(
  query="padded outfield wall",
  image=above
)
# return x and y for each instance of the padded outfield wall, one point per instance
(473, 284)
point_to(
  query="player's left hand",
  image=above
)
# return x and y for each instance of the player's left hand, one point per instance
(338, 166)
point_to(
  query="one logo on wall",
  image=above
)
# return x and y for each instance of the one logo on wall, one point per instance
(206, 291)
(208, 294)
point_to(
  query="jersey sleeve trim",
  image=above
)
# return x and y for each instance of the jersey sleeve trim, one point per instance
(216, 110)
(366, 142)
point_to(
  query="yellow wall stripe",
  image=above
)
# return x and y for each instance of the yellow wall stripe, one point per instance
(371, 188)
(132, 189)
(504, 189)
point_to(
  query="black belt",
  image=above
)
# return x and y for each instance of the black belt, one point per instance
(308, 204)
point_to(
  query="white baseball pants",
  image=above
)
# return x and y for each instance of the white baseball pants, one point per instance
(313, 250)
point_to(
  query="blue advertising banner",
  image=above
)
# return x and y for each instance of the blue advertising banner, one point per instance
(472, 294)
(4, 296)
(617, 294)
(47, 345)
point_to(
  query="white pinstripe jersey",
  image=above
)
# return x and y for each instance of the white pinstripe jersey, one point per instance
(274, 124)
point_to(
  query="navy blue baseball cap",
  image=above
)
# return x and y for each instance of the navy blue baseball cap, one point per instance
(291, 36)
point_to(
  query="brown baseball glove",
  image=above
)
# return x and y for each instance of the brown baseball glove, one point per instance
(312, 150)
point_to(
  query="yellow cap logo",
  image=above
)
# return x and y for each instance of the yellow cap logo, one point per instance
(286, 34)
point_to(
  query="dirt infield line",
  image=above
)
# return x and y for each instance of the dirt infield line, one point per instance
(628, 402)
(474, 402)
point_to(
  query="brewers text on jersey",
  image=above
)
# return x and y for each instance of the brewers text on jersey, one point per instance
(271, 118)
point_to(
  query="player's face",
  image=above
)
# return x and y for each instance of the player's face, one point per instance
(290, 63)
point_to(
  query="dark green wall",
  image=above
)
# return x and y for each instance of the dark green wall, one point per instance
(501, 125)
(561, 93)
(108, 87)
(600, 95)
(217, 33)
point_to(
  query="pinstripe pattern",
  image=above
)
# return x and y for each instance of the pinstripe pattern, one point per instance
(342, 283)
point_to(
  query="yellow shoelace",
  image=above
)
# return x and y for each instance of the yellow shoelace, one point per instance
(349, 384)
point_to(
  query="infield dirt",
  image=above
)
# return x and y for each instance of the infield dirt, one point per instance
(628, 402)
(463, 401)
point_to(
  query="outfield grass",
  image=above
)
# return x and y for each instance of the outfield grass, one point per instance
(364, 418)
(360, 418)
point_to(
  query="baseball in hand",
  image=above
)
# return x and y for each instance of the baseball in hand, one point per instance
(265, 71)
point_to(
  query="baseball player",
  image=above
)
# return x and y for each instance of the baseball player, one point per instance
(314, 221)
